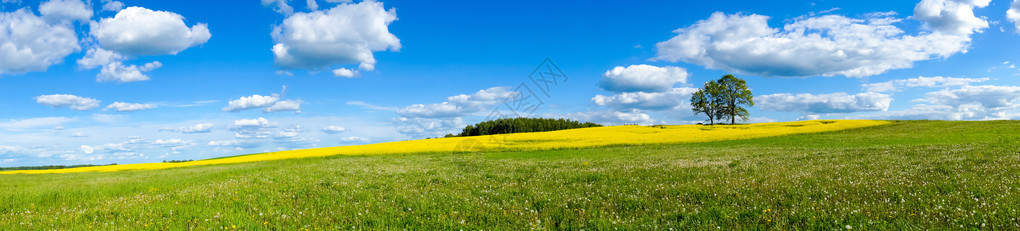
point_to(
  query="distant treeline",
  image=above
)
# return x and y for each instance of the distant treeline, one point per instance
(177, 161)
(50, 167)
(521, 125)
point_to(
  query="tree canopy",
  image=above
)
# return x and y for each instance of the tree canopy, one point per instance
(723, 99)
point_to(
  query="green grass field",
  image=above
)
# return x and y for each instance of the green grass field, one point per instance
(906, 175)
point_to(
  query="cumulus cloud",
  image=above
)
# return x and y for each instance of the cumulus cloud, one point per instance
(137, 31)
(253, 128)
(354, 139)
(70, 101)
(280, 6)
(114, 6)
(458, 105)
(198, 128)
(254, 123)
(899, 84)
(127, 107)
(827, 45)
(332, 129)
(951, 16)
(249, 102)
(1013, 14)
(428, 127)
(939, 112)
(646, 100)
(345, 34)
(824, 103)
(344, 72)
(312, 5)
(56, 11)
(642, 77)
(270, 103)
(118, 72)
(284, 105)
(633, 116)
(29, 43)
(987, 96)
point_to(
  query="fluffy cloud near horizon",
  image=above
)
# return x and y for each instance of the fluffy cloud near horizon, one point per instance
(633, 116)
(824, 103)
(642, 78)
(437, 119)
(665, 100)
(987, 96)
(826, 45)
(899, 84)
(1013, 15)
(345, 34)
(74, 102)
(458, 105)
(28, 43)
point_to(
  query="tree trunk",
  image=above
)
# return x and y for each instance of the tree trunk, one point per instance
(733, 112)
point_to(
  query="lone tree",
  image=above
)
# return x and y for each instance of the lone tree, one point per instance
(723, 99)
(704, 101)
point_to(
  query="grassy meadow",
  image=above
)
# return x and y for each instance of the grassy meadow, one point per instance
(901, 175)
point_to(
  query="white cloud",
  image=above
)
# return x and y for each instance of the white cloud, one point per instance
(118, 72)
(284, 105)
(939, 112)
(87, 149)
(354, 139)
(280, 6)
(71, 101)
(458, 105)
(824, 103)
(826, 45)
(114, 6)
(646, 101)
(1013, 14)
(634, 116)
(79, 135)
(332, 129)
(346, 73)
(56, 11)
(642, 77)
(895, 85)
(198, 128)
(951, 16)
(254, 101)
(255, 123)
(312, 5)
(34, 123)
(10, 149)
(253, 128)
(97, 57)
(126, 107)
(28, 43)
(428, 127)
(345, 34)
(137, 31)
(987, 96)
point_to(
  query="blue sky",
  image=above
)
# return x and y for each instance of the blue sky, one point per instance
(101, 81)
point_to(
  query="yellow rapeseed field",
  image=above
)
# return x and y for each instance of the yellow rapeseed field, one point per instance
(574, 138)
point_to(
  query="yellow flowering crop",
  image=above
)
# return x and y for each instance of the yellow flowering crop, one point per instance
(573, 138)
